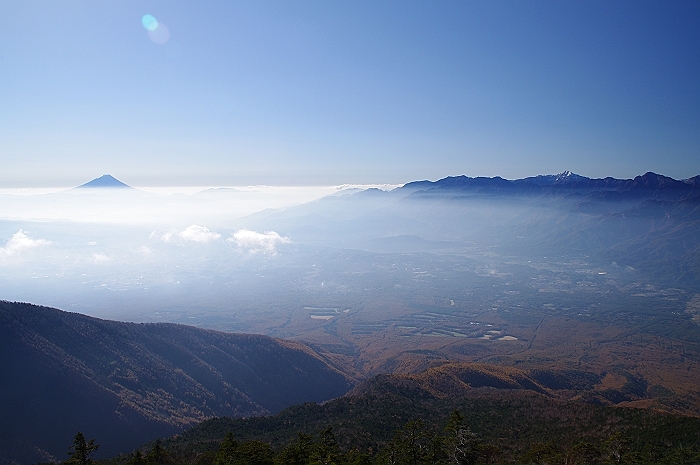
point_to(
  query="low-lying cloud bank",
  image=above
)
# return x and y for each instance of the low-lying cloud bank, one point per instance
(19, 242)
(201, 234)
(194, 233)
(254, 241)
(245, 239)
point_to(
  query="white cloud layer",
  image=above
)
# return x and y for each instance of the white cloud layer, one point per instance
(199, 233)
(99, 258)
(258, 242)
(194, 233)
(20, 242)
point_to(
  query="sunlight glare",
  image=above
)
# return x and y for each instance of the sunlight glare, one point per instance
(149, 22)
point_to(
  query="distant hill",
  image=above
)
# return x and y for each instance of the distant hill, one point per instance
(126, 383)
(454, 380)
(105, 181)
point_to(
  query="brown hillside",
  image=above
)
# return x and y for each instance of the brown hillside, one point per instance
(455, 380)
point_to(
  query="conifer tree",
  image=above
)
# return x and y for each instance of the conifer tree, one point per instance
(327, 451)
(617, 447)
(298, 453)
(461, 443)
(227, 450)
(158, 456)
(410, 446)
(136, 459)
(81, 450)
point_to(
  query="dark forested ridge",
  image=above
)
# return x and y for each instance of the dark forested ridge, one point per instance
(391, 420)
(65, 372)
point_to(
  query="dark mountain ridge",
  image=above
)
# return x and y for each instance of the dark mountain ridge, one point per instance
(65, 372)
(650, 184)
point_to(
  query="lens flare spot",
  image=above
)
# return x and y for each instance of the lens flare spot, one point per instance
(149, 22)
(161, 35)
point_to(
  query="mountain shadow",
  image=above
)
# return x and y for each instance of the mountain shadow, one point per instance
(124, 383)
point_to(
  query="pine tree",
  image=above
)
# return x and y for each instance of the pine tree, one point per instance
(298, 453)
(158, 456)
(81, 450)
(410, 446)
(617, 445)
(327, 451)
(227, 450)
(461, 443)
(136, 459)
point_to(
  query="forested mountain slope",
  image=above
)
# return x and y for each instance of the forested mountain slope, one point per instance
(407, 419)
(127, 383)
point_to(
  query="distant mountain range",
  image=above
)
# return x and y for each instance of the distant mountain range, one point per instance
(565, 180)
(656, 185)
(127, 383)
(650, 223)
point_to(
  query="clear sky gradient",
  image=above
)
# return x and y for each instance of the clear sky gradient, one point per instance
(329, 92)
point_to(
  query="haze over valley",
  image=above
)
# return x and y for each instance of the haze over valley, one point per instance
(461, 268)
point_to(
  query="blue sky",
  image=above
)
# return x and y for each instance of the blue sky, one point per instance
(326, 92)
